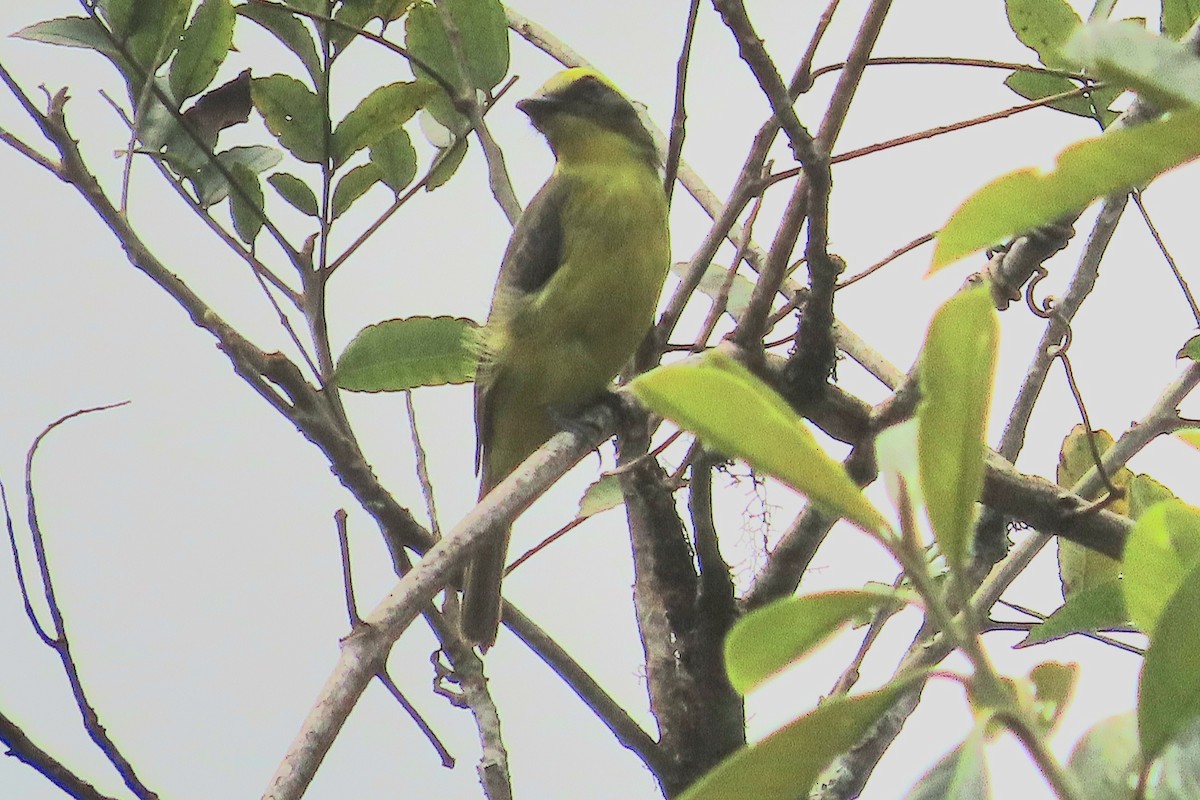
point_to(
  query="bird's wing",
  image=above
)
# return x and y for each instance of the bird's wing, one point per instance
(534, 254)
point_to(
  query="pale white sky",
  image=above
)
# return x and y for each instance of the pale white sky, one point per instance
(190, 533)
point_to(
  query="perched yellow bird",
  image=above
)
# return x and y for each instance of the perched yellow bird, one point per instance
(576, 294)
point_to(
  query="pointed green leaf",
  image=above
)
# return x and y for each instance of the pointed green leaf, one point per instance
(289, 30)
(401, 354)
(380, 113)
(295, 191)
(1190, 349)
(246, 206)
(1020, 201)
(293, 113)
(1106, 761)
(958, 365)
(1093, 105)
(767, 640)
(1161, 70)
(446, 163)
(1163, 547)
(82, 32)
(1043, 26)
(351, 186)
(1092, 609)
(1169, 689)
(396, 159)
(785, 765)
(737, 414)
(601, 496)
(203, 48)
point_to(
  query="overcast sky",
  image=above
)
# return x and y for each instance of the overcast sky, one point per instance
(191, 533)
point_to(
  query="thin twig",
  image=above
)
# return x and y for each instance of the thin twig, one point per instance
(60, 640)
(889, 258)
(422, 463)
(626, 730)
(1162, 248)
(679, 114)
(20, 746)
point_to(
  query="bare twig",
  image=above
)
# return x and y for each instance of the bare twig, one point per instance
(59, 640)
(20, 746)
(422, 464)
(466, 102)
(626, 730)
(1162, 248)
(365, 649)
(679, 114)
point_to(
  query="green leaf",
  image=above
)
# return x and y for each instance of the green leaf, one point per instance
(1080, 567)
(211, 186)
(380, 113)
(1189, 436)
(1190, 349)
(1022, 200)
(401, 354)
(601, 496)
(446, 163)
(737, 414)
(483, 33)
(1144, 492)
(785, 765)
(82, 32)
(958, 365)
(150, 32)
(1178, 16)
(296, 192)
(396, 159)
(961, 774)
(1106, 761)
(1093, 105)
(713, 281)
(293, 113)
(1163, 547)
(767, 640)
(1043, 26)
(1169, 689)
(359, 12)
(1095, 608)
(1053, 685)
(1161, 70)
(246, 206)
(351, 186)
(289, 30)
(202, 49)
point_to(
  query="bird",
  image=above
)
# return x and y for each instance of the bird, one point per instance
(576, 294)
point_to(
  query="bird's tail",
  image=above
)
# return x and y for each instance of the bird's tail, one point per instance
(480, 617)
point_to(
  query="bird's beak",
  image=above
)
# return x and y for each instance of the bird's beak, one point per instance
(537, 105)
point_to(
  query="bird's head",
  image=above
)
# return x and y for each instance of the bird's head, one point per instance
(584, 116)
